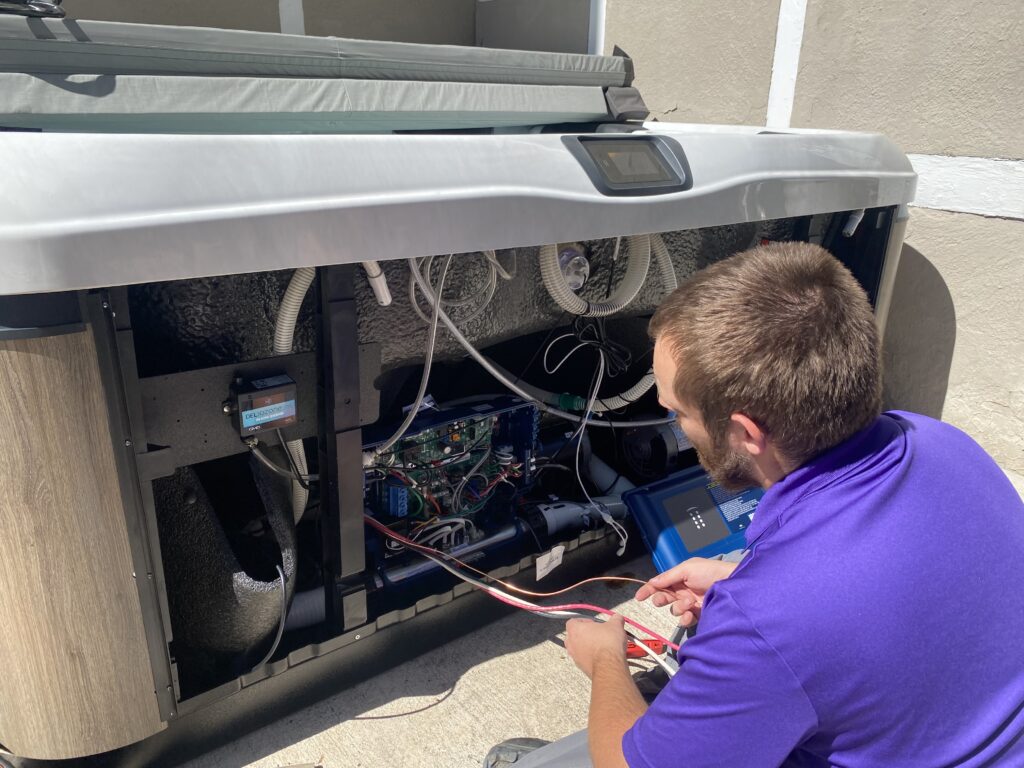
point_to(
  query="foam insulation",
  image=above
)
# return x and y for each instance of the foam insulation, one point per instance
(523, 306)
(216, 605)
(188, 324)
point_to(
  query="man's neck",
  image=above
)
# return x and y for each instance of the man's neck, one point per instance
(771, 468)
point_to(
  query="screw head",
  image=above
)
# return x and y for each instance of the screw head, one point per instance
(359, 637)
(128, 443)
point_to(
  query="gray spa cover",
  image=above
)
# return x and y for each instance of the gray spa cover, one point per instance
(63, 75)
(65, 46)
(166, 104)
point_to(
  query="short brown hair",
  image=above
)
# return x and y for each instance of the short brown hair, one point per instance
(782, 333)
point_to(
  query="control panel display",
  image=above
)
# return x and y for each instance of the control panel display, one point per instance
(276, 409)
(698, 522)
(266, 403)
(628, 162)
(689, 515)
(631, 164)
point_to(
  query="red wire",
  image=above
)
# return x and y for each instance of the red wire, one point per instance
(536, 609)
(426, 494)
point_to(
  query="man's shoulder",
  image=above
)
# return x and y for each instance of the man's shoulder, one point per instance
(943, 450)
(916, 425)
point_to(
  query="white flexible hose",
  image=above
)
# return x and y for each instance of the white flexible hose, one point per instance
(636, 273)
(667, 276)
(663, 259)
(284, 339)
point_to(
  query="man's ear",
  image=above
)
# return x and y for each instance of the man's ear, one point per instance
(745, 435)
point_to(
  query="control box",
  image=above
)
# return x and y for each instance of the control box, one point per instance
(689, 515)
(265, 404)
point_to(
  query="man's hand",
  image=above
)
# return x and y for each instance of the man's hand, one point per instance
(589, 641)
(683, 587)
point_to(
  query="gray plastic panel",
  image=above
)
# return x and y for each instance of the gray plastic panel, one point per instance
(85, 210)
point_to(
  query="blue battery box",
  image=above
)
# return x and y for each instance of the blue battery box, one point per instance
(688, 514)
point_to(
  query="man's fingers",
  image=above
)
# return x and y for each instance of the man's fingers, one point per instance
(688, 612)
(661, 599)
(672, 579)
(687, 609)
(688, 619)
(647, 591)
(678, 574)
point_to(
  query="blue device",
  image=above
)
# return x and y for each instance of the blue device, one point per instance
(688, 514)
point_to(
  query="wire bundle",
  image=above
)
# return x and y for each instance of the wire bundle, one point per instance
(566, 611)
(495, 269)
(591, 332)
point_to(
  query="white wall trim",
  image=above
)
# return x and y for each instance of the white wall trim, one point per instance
(293, 17)
(789, 37)
(595, 43)
(978, 185)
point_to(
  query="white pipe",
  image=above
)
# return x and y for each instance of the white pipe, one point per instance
(378, 282)
(284, 339)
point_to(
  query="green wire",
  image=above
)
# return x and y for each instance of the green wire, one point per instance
(419, 502)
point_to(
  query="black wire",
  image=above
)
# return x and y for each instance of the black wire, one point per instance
(543, 344)
(284, 617)
(592, 331)
(291, 461)
(618, 472)
(533, 533)
(611, 274)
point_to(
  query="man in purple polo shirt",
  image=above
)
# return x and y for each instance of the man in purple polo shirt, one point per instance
(878, 617)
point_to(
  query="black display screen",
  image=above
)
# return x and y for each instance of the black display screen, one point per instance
(629, 162)
(696, 518)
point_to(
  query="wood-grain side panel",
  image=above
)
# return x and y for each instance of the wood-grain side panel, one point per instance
(75, 674)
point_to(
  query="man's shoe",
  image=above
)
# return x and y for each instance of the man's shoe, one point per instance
(508, 752)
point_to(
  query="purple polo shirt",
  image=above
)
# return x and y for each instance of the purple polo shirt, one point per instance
(877, 621)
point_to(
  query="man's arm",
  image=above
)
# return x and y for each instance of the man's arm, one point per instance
(615, 704)
(599, 650)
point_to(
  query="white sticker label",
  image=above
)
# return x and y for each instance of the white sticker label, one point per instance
(547, 562)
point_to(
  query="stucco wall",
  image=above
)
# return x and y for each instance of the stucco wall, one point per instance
(697, 61)
(936, 76)
(413, 21)
(256, 15)
(534, 25)
(448, 22)
(954, 342)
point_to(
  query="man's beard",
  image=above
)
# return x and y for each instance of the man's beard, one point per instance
(732, 470)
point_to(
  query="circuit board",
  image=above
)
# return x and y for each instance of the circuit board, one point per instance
(436, 482)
